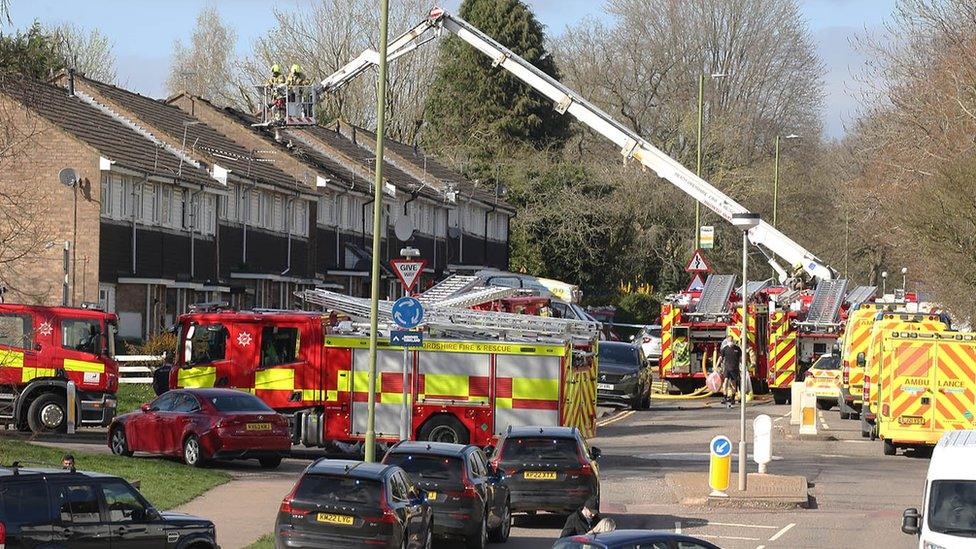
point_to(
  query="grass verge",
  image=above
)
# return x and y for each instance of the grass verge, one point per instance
(165, 483)
(266, 542)
(133, 395)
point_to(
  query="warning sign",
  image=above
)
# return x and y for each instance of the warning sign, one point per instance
(698, 263)
(408, 271)
(697, 283)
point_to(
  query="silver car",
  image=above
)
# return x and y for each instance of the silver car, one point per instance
(649, 339)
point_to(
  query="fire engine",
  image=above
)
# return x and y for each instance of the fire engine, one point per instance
(57, 368)
(477, 373)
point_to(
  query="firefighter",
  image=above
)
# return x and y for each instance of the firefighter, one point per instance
(276, 99)
(798, 277)
(296, 83)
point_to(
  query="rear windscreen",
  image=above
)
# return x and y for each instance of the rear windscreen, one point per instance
(337, 490)
(539, 449)
(239, 403)
(429, 468)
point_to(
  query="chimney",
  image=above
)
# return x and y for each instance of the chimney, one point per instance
(71, 82)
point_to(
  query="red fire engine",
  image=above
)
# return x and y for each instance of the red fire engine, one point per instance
(57, 367)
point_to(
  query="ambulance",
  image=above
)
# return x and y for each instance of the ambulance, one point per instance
(871, 361)
(927, 386)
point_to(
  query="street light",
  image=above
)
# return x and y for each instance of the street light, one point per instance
(884, 282)
(904, 279)
(744, 221)
(701, 116)
(776, 175)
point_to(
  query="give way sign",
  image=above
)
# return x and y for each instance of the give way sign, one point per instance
(408, 271)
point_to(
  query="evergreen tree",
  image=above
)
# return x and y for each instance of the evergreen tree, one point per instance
(31, 53)
(476, 112)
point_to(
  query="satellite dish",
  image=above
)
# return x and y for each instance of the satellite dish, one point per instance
(453, 232)
(403, 228)
(68, 177)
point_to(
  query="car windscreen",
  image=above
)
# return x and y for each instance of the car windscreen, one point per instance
(429, 468)
(952, 507)
(827, 362)
(619, 354)
(338, 490)
(539, 449)
(238, 403)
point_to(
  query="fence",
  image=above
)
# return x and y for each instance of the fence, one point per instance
(137, 374)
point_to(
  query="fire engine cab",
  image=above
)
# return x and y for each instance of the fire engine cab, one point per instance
(57, 367)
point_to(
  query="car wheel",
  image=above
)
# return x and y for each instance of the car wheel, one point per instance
(430, 536)
(118, 442)
(192, 452)
(501, 533)
(48, 414)
(889, 448)
(444, 428)
(480, 539)
(779, 397)
(270, 462)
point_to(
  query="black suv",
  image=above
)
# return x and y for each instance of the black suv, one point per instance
(469, 499)
(547, 468)
(57, 508)
(343, 503)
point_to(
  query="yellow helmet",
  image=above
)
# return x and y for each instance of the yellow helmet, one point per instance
(296, 68)
(798, 265)
(275, 69)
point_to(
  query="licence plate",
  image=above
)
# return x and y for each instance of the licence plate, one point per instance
(604, 386)
(539, 475)
(911, 420)
(330, 518)
(258, 427)
(431, 496)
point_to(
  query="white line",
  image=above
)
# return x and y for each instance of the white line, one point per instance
(724, 537)
(710, 523)
(825, 426)
(677, 527)
(761, 547)
(783, 531)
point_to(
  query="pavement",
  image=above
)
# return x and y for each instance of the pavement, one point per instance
(762, 491)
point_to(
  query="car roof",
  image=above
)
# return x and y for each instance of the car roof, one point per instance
(433, 448)
(952, 457)
(630, 536)
(539, 431)
(44, 472)
(620, 344)
(351, 468)
(213, 392)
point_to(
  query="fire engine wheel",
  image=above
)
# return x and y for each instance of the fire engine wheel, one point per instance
(192, 452)
(444, 428)
(501, 532)
(48, 414)
(889, 448)
(120, 446)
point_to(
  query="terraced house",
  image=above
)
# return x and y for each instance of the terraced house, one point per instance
(182, 202)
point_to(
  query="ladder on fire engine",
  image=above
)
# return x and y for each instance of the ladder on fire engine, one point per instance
(566, 100)
(827, 301)
(462, 291)
(448, 287)
(860, 295)
(714, 298)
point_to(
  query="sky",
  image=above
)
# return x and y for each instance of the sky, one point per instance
(144, 31)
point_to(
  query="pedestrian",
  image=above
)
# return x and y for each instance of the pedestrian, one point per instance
(582, 521)
(731, 365)
(68, 462)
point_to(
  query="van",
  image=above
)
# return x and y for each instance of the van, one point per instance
(948, 516)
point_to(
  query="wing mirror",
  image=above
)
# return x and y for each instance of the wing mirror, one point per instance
(595, 452)
(489, 450)
(911, 522)
(146, 408)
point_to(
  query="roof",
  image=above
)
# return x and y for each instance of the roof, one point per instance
(200, 137)
(109, 137)
(953, 456)
(538, 431)
(432, 448)
(348, 467)
(621, 344)
(8, 471)
(630, 536)
(210, 392)
(59, 311)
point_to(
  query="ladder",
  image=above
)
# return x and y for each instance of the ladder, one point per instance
(462, 291)
(860, 295)
(475, 297)
(448, 287)
(827, 300)
(714, 298)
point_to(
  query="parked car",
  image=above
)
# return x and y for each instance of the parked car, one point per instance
(629, 539)
(203, 424)
(649, 339)
(469, 498)
(342, 503)
(826, 379)
(58, 508)
(623, 377)
(547, 468)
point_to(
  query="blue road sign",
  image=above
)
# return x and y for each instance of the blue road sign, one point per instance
(403, 338)
(408, 312)
(721, 446)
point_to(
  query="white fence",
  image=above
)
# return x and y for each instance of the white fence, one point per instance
(137, 374)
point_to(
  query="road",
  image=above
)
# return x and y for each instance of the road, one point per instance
(858, 494)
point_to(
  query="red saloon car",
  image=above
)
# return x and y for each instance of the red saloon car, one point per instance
(203, 424)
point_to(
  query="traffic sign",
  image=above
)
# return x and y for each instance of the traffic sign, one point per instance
(706, 237)
(405, 338)
(721, 446)
(698, 263)
(408, 271)
(408, 312)
(697, 283)
(719, 465)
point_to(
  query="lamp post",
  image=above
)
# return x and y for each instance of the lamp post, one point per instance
(904, 279)
(884, 282)
(744, 221)
(698, 164)
(776, 175)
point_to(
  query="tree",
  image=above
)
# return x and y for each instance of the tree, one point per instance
(207, 66)
(88, 52)
(477, 111)
(31, 53)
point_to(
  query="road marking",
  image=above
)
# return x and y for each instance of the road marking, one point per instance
(761, 547)
(783, 531)
(724, 537)
(741, 525)
(782, 417)
(677, 527)
(614, 418)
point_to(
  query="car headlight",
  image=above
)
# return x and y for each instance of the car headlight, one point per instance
(930, 545)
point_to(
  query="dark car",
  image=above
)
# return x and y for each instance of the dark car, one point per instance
(469, 498)
(343, 503)
(58, 508)
(631, 539)
(203, 424)
(623, 377)
(547, 468)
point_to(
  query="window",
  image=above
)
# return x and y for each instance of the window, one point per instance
(81, 335)
(325, 214)
(186, 403)
(682, 545)
(428, 468)
(278, 346)
(242, 402)
(79, 504)
(278, 214)
(300, 217)
(166, 207)
(325, 489)
(105, 195)
(25, 503)
(398, 488)
(124, 505)
(539, 449)
(478, 465)
(952, 507)
(15, 330)
(165, 403)
(209, 343)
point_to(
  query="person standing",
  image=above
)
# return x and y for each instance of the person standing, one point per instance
(731, 366)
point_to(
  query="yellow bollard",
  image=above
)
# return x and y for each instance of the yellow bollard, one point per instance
(719, 465)
(808, 423)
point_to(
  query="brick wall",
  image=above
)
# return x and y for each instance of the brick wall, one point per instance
(31, 174)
